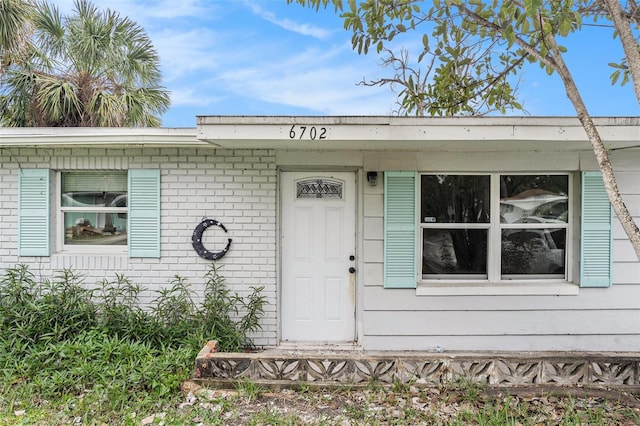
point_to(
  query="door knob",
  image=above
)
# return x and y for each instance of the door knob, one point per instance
(352, 270)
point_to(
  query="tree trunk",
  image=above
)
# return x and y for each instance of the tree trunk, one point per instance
(629, 43)
(610, 185)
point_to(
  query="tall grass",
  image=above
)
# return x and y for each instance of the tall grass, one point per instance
(58, 337)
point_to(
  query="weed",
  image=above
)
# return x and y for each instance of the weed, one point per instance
(374, 385)
(355, 412)
(221, 307)
(119, 309)
(471, 389)
(174, 305)
(303, 388)
(398, 386)
(497, 413)
(249, 389)
(272, 416)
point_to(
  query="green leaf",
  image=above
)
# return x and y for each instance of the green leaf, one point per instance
(578, 18)
(564, 27)
(509, 35)
(614, 77)
(532, 6)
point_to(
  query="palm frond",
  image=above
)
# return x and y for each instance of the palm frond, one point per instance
(93, 68)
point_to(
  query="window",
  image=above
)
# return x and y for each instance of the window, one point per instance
(93, 207)
(534, 225)
(455, 222)
(107, 210)
(494, 226)
(540, 218)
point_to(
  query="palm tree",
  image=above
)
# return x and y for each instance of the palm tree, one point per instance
(15, 31)
(91, 68)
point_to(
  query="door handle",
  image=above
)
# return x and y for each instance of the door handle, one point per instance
(352, 270)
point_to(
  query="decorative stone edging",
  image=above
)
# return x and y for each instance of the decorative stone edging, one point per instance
(615, 370)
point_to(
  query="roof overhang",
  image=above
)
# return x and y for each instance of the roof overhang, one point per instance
(98, 136)
(362, 133)
(414, 133)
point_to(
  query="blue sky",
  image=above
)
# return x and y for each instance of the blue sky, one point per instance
(264, 57)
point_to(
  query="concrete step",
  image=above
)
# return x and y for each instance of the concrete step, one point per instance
(340, 366)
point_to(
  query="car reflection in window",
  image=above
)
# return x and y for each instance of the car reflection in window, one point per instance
(533, 251)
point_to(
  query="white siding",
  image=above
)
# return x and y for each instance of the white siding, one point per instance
(238, 188)
(597, 319)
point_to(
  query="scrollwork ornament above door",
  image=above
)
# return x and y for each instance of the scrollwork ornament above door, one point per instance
(319, 188)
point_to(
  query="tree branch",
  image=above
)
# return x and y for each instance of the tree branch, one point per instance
(529, 48)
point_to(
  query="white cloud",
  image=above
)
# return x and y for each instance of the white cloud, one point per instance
(289, 25)
(191, 96)
(146, 12)
(183, 53)
(324, 81)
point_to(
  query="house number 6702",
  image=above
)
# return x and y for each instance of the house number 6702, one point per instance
(307, 132)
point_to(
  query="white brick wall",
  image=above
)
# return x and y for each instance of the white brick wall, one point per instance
(237, 188)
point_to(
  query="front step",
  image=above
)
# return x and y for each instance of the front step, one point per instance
(356, 368)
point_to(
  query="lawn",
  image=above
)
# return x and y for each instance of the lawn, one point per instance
(251, 404)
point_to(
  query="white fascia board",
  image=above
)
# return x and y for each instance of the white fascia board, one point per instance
(414, 133)
(99, 136)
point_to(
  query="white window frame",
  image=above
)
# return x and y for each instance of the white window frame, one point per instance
(60, 224)
(536, 284)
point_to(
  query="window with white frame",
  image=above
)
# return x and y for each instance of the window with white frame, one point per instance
(112, 211)
(494, 226)
(93, 207)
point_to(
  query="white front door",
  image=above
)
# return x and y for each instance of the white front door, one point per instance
(318, 250)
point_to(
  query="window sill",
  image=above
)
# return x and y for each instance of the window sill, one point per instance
(511, 288)
(93, 251)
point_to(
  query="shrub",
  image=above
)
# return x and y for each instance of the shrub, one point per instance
(49, 311)
(57, 336)
(221, 308)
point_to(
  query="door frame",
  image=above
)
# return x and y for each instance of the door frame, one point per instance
(358, 212)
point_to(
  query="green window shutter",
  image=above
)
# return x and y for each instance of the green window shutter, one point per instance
(400, 230)
(595, 233)
(33, 212)
(144, 213)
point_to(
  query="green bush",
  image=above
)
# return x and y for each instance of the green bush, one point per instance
(58, 336)
(221, 308)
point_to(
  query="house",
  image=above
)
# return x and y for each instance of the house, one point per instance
(489, 233)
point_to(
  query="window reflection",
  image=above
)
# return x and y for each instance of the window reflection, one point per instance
(528, 241)
(88, 200)
(533, 251)
(455, 199)
(454, 251)
(534, 199)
